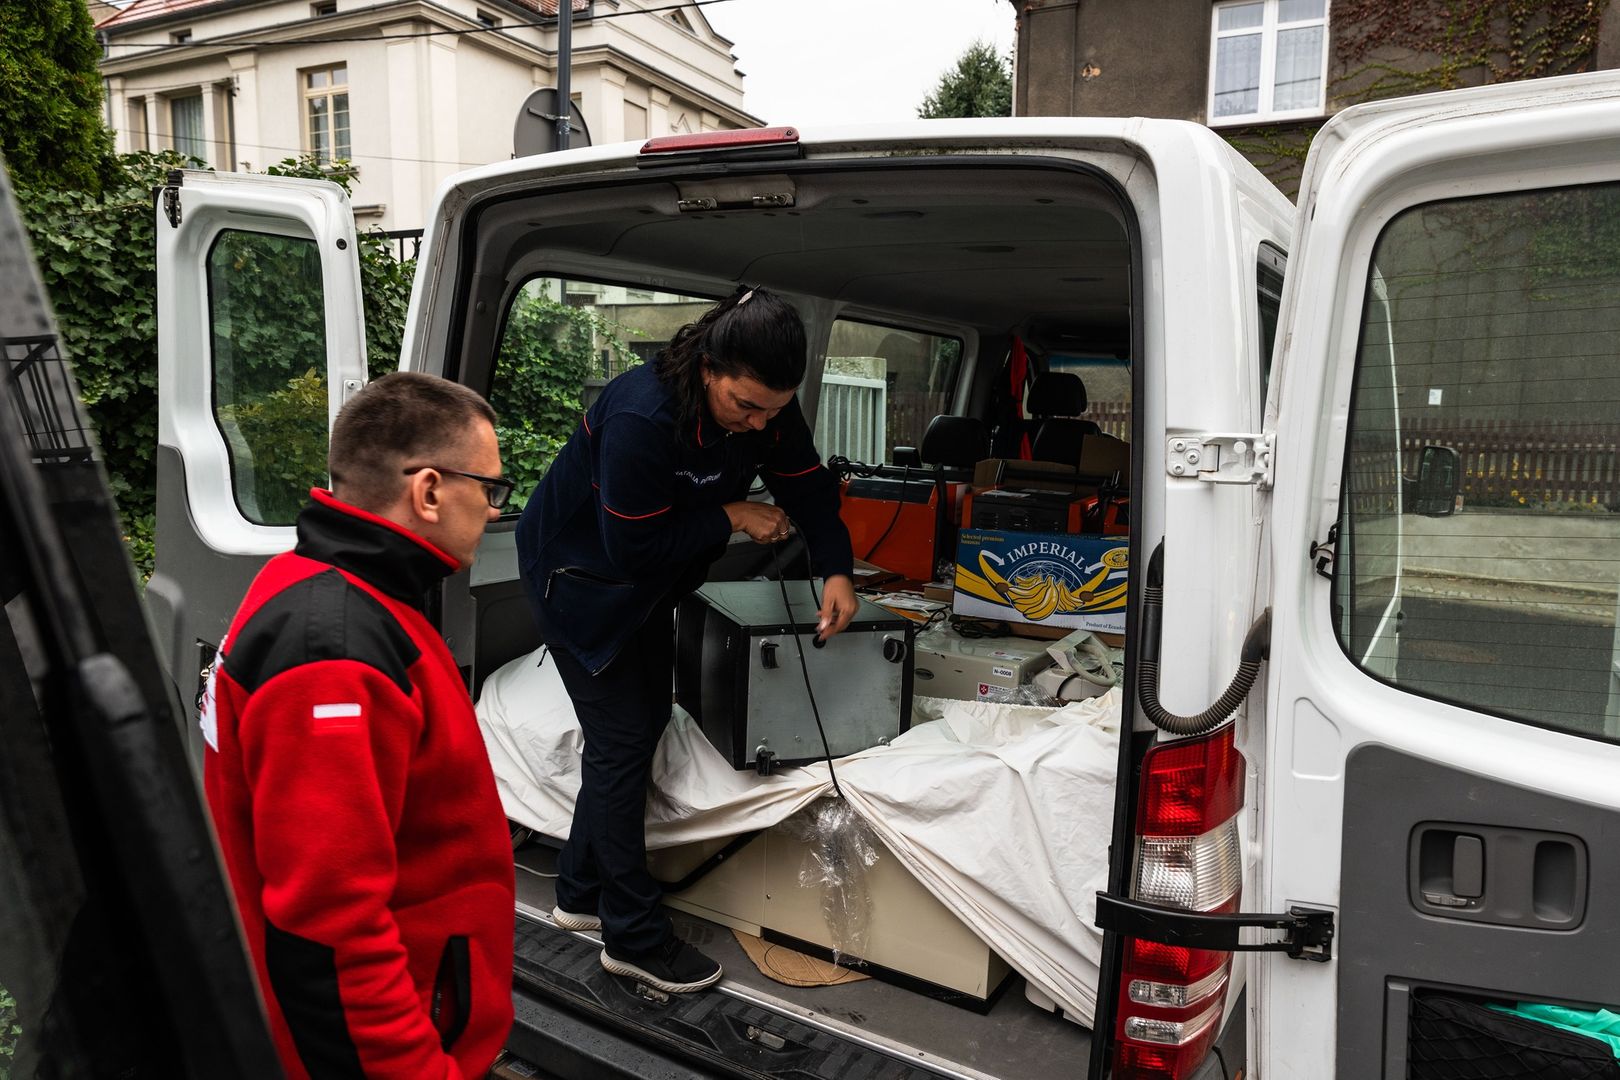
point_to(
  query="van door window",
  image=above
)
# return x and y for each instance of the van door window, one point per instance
(881, 387)
(267, 334)
(563, 340)
(1271, 266)
(1480, 508)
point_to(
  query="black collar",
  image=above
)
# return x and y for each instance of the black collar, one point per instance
(372, 548)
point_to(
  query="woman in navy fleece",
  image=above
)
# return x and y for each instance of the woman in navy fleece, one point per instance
(642, 498)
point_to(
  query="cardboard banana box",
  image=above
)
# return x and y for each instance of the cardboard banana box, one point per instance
(1046, 579)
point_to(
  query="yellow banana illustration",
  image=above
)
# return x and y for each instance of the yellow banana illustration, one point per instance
(1037, 597)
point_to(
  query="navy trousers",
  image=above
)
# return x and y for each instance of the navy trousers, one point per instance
(622, 711)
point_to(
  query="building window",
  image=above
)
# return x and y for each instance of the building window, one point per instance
(1268, 60)
(322, 9)
(326, 112)
(485, 19)
(635, 121)
(139, 137)
(179, 37)
(186, 126)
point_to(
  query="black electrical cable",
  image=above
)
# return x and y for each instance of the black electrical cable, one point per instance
(804, 668)
(899, 505)
(842, 467)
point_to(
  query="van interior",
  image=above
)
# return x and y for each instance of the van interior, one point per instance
(919, 279)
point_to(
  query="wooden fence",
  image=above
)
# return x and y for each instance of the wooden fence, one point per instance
(1114, 417)
(1524, 462)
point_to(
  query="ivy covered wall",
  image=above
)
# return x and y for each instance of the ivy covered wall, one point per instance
(1151, 58)
(1391, 48)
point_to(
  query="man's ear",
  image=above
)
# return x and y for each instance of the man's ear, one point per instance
(425, 495)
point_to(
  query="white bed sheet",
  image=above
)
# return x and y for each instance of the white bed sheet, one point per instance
(1003, 812)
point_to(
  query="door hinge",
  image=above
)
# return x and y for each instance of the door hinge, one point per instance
(1323, 552)
(1221, 457)
(171, 197)
(1307, 932)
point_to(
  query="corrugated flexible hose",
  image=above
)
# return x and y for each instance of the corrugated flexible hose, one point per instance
(1256, 649)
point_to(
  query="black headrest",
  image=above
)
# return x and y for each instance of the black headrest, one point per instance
(955, 440)
(1057, 393)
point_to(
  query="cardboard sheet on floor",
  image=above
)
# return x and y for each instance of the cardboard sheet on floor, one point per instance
(1003, 812)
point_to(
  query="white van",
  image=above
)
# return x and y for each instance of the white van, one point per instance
(1413, 810)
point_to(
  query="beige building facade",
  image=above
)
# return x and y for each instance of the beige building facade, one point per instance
(407, 91)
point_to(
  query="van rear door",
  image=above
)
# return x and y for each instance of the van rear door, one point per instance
(1443, 759)
(261, 338)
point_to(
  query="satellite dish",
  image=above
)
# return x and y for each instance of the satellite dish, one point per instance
(536, 130)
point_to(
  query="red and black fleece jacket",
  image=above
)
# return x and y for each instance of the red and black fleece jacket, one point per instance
(631, 510)
(357, 811)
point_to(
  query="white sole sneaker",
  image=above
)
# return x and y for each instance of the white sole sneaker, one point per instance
(631, 971)
(570, 921)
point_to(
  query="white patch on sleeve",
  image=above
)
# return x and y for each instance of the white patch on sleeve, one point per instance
(336, 716)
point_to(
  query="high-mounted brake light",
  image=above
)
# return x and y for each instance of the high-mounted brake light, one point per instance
(1188, 856)
(744, 143)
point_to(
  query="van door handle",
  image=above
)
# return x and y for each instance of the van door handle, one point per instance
(1468, 867)
(1499, 875)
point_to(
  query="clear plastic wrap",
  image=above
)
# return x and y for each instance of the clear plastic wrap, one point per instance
(1022, 694)
(842, 848)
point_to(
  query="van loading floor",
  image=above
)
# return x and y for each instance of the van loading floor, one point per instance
(1014, 1039)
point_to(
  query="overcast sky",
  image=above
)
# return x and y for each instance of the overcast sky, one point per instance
(851, 60)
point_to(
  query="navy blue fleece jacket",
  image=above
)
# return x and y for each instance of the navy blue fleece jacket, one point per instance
(632, 510)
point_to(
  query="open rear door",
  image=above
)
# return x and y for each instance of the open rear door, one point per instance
(1439, 769)
(261, 338)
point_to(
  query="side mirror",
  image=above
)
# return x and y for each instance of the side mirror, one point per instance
(908, 456)
(1434, 492)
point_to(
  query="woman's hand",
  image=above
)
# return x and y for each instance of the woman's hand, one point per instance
(838, 604)
(764, 523)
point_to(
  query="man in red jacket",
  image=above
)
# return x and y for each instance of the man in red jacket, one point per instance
(345, 771)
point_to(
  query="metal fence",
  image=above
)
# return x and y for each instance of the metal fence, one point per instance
(852, 417)
(407, 243)
(40, 393)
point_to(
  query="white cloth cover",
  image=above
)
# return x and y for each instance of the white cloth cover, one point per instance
(1003, 812)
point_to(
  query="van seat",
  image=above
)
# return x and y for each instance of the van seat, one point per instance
(1056, 400)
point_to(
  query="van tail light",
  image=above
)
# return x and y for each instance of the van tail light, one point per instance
(1171, 997)
(744, 143)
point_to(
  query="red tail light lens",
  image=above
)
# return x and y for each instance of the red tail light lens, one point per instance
(1190, 787)
(1187, 855)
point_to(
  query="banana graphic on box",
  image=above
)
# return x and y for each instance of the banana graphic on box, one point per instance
(1038, 597)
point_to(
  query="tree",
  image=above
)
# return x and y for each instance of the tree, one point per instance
(51, 129)
(979, 85)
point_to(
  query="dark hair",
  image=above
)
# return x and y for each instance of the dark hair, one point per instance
(398, 418)
(752, 332)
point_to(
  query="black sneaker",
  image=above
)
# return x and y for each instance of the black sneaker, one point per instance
(674, 967)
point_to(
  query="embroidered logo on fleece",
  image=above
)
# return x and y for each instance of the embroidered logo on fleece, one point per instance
(699, 481)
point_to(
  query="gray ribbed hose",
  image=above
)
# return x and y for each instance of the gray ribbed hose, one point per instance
(1256, 649)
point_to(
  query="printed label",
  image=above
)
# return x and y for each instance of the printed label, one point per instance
(1002, 672)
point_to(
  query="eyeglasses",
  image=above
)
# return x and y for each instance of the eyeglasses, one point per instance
(497, 489)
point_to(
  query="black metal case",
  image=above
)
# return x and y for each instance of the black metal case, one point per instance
(737, 672)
